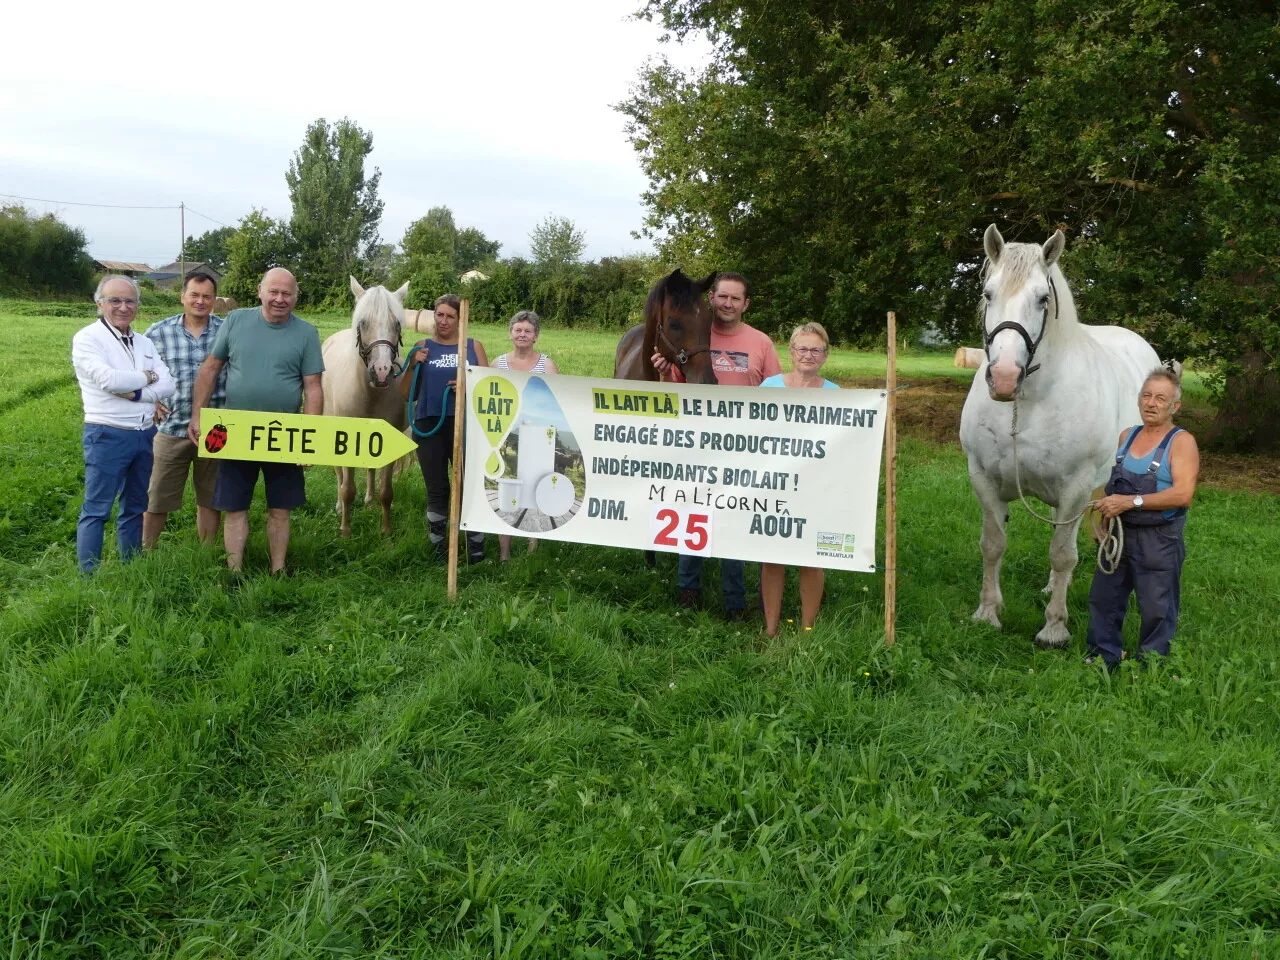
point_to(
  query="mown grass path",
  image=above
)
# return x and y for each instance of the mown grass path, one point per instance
(563, 765)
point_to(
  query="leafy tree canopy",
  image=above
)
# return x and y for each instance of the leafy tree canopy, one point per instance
(336, 210)
(210, 247)
(39, 254)
(555, 242)
(847, 159)
(259, 244)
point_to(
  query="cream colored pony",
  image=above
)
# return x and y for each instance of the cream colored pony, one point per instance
(1072, 389)
(361, 379)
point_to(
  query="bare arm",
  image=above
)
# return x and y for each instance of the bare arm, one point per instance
(551, 366)
(312, 394)
(1184, 464)
(202, 392)
(481, 355)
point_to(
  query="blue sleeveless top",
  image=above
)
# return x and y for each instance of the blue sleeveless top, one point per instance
(1164, 473)
(434, 374)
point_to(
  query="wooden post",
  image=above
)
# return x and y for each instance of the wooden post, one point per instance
(459, 420)
(891, 488)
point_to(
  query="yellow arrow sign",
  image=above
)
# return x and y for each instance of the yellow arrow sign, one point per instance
(300, 438)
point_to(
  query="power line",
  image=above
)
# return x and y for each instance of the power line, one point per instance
(73, 203)
(191, 209)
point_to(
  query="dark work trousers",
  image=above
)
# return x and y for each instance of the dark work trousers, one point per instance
(434, 454)
(1151, 567)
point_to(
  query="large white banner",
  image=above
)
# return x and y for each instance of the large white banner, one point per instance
(783, 476)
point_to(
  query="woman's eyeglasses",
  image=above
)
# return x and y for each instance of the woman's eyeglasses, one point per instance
(809, 351)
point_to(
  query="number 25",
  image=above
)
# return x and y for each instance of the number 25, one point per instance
(695, 529)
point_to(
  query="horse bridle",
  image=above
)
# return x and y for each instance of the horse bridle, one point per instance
(366, 349)
(682, 356)
(1022, 332)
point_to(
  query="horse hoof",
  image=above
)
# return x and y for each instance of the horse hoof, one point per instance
(1054, 636)
(986, 614)
(345, 534)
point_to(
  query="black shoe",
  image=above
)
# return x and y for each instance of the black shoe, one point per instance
(475, 557)
(735, 614)
(689, 599)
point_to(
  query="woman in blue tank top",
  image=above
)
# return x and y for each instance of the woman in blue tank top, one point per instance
(433, 367)
(1151, 486)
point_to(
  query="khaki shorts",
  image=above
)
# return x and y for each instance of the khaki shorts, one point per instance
(174, 458)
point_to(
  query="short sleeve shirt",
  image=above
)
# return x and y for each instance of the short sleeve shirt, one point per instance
(743, 358)
(266, 361)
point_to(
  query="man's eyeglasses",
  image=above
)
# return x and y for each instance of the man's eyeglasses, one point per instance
(809, 351)
(119, 301)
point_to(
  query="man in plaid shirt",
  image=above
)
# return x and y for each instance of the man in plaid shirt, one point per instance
(184, 340)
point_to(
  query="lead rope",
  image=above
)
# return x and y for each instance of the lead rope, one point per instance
(412, 400)
(1110, 540)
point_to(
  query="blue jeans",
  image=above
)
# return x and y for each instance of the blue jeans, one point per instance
(733, 579)
(117, 463)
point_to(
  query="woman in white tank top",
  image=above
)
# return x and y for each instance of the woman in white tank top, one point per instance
(523, 329)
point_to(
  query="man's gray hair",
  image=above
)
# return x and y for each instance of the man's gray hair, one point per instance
(1164, 373)
(527, 316)
(137, 292)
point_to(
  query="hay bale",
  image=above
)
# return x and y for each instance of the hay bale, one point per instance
(422, 321)
(224, 305)
(969, 358)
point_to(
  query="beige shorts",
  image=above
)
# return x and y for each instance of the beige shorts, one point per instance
(174, 458)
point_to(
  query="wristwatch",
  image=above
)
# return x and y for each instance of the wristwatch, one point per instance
(1138, 502)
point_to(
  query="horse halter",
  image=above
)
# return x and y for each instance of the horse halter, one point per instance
(1018, 328)
(366, 349)
(682, 356)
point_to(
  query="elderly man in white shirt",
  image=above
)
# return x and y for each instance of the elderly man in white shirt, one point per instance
(122, 383)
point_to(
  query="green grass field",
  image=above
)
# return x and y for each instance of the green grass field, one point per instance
(562, 764)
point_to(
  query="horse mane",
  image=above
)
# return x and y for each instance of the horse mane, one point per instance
(683, 291)
(1017, 261)
(376, 303)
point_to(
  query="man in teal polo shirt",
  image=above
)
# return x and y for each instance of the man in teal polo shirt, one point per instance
(273, 364)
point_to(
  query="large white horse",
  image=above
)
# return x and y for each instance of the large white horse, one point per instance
(1069, 388)
(360, 380)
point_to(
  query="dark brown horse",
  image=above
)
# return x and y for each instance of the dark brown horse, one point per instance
(677, 324)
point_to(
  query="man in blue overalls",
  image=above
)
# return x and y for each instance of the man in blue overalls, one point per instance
(1151, 486)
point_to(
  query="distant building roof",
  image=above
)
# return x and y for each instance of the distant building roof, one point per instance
(121, 266)
(175, 268)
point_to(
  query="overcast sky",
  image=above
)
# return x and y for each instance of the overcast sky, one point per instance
(501, 110)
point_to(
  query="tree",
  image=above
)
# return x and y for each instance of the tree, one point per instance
(210, 247)
(849, 163)
(336, 210)
(472, 249)
(555, 243)
(259, 244)
(42, 255)
(434, 235)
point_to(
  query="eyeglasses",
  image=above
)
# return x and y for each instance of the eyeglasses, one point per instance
(119, 301)
(809, 351)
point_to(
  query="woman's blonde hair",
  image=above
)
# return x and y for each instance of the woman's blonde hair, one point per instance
(811, 327)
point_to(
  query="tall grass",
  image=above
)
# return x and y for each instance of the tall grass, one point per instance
(564, 764)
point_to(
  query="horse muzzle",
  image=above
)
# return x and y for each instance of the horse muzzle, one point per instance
(1004, 380)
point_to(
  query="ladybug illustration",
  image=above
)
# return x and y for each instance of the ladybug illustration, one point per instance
(216, 438)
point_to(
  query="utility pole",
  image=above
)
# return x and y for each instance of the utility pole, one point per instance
(182, 244)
